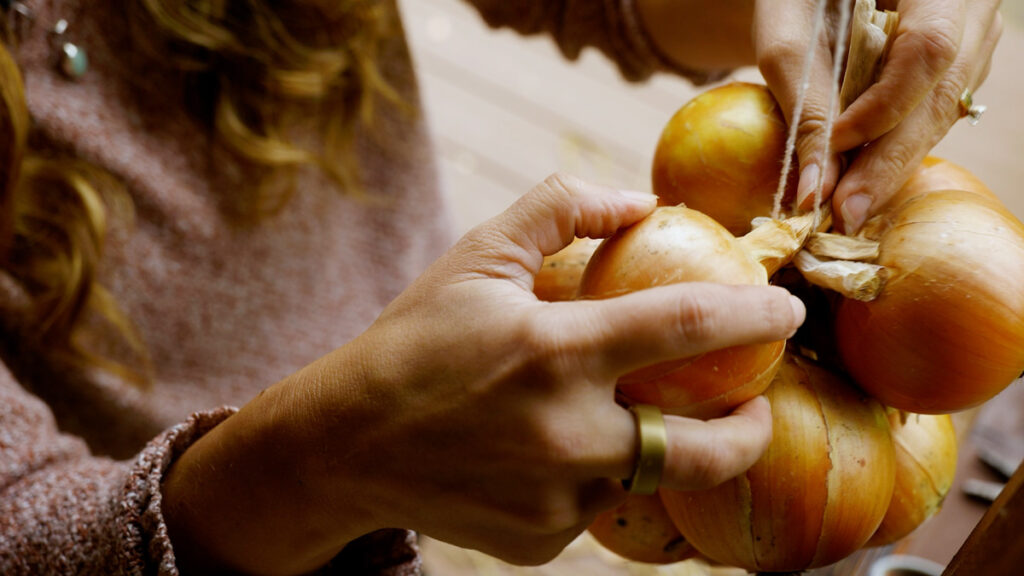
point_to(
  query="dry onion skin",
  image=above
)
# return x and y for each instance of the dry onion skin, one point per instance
(947, 331)
(721, 154)
(676, 244)
(925, 446)
(640, 529)
(559, 277)
(815, 496)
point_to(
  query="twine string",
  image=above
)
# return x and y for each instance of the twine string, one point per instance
(801, 96)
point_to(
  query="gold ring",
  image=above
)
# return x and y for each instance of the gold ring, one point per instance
(652, 442)
(970, 110)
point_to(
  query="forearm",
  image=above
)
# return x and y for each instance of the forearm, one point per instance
(251, 496)
(701, 35)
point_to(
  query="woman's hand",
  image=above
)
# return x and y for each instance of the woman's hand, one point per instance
(470, 410)
(941, 48)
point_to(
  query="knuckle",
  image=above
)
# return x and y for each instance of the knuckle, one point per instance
(996, 31)
(773, 59)
(709, 466)
(545, 347)
(552, 513)
(946, 97)
(897, 158)
(936, 47)
(776, 313)
(695, 321)
(560, 185)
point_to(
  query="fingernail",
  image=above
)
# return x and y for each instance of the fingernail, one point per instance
(639, 197)
(854, 211)
(810, 178)
(799, 310)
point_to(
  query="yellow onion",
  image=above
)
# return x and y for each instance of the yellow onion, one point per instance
(721, 154)
(925, 448)
(815, 496)
(936, 173)
(640, 529)
(559, 277)
(947, 331)
(676, 244)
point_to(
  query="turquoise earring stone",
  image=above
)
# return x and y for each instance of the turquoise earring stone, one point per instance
(73, 61)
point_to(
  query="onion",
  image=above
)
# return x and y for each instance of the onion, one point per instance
(721, 154)
(640, 529)
(559, 276)
(925, 465)
(937, 174)
(815, 496)
(677, 244)
(947, 331)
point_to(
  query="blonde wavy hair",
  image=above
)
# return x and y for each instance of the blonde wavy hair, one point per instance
(263, 65)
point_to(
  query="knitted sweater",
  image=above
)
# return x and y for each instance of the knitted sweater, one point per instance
(225, 309)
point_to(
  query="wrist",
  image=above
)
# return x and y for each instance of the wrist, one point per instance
(262, 492)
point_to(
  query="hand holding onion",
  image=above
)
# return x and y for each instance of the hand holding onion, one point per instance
(470, 410)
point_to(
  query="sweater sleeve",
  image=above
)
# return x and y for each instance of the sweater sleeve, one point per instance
(611, 26)
(66, 511)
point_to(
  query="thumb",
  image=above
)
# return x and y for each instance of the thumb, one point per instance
(546, 219)
(703, 454)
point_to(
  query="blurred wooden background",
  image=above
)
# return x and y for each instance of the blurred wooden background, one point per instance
(507, 111)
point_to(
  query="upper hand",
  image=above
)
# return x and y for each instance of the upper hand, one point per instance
(941, 47)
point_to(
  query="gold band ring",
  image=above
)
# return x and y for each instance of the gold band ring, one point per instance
(652, 443)
(970, 110)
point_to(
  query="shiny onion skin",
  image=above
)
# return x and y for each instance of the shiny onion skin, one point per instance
(559, 277)
(676, 244)
(721, 154)
(815, 496)
(947, 331)
(936, 173)
(640, 529)
(926, 454)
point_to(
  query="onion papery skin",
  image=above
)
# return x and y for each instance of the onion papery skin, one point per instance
(925, 448)
(721, 154)
(815, 496)
(947, 331)
(640, 529)
(672, 245)
(559, 276)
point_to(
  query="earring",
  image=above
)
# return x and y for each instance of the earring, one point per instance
(72, 60)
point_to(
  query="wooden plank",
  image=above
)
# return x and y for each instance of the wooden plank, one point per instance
(996, 546)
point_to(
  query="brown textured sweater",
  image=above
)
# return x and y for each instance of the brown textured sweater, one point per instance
(224, 309)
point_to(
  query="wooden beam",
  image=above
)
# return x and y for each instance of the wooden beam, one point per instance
(996, 546)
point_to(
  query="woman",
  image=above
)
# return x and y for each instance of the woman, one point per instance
(283, 210)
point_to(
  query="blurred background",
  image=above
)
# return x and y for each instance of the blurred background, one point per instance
(507, 111)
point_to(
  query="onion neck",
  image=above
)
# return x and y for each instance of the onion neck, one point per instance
(774, 243)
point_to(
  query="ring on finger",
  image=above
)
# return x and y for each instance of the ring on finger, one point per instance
(970, 110)
(652, 444)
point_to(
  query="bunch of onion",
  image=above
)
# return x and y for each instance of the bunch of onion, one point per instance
(817, 494)
(925, 449)
(932, 320)
(677, 244)
(946, 332)
(640, 529)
